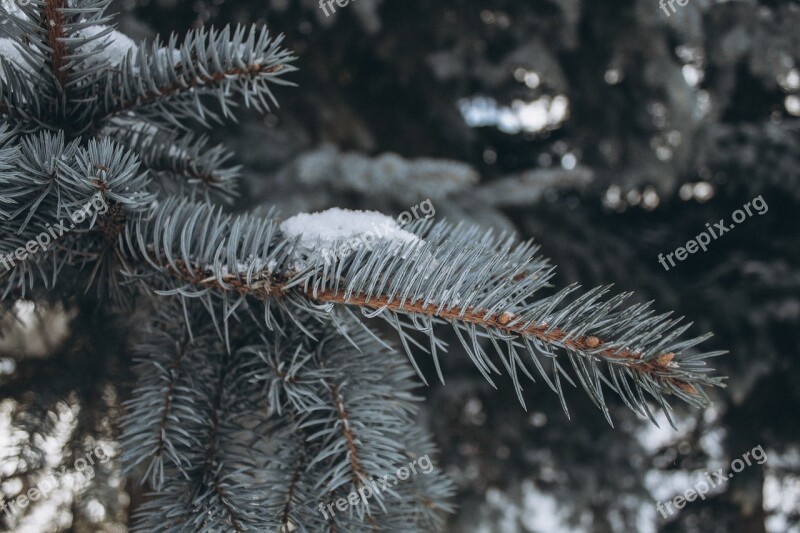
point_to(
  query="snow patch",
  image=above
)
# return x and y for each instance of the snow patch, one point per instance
(334, 225)
(164, 54)
(110, 49)
(9, 50)
(338, 232)
(12, 8)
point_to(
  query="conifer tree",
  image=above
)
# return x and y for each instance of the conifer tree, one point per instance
(264, 389)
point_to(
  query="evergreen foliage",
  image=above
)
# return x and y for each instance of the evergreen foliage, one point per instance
(264, 386)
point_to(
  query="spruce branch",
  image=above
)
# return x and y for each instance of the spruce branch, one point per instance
(162, 421)
(61, 60)
(241, 422)
(483, 286)
(49, 181)
(19, 103)
(52, 23)
(205, 419)
(362, 412)
(185, 164)
(170, 81)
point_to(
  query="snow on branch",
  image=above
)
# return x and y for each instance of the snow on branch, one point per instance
(484, 286)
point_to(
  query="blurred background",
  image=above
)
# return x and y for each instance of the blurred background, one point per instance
(609, 132)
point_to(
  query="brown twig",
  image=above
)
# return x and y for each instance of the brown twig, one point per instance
(167, 402)
(212, 459)
(184, 84)
(53, 23)
(265, 288)
(358, 472)
(292, 487)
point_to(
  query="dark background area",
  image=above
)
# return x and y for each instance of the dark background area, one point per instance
(608, 132)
